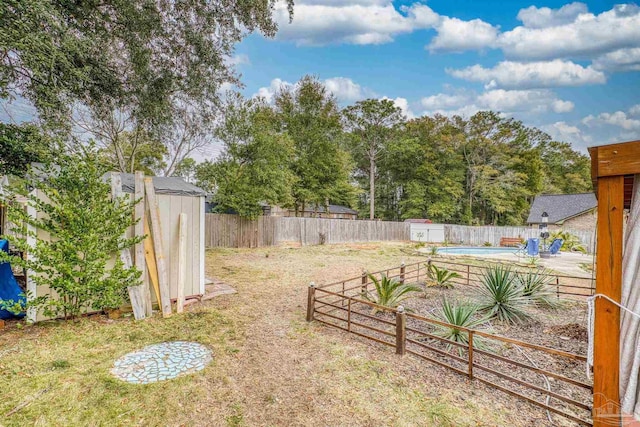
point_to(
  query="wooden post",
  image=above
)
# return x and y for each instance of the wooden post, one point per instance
(558, 287)
(136, 293)
(402, 270)
(182, 261)
(156, 233)
(608, 282)
(349, 316)
(150, 257)
(311, 300)
(139, 252)
(468, 274)
(401, 331)
(470, 355)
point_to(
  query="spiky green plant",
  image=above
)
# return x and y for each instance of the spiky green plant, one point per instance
(441, 277)
(535, 287)
(500, 295)
(390, 292)
(459, 315)
(432, 250)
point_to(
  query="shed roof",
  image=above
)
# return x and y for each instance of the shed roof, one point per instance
(172, 185)
(560, 207)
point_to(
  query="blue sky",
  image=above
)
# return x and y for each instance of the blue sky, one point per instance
(571, 69)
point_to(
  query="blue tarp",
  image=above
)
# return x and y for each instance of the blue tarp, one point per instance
(9, 288)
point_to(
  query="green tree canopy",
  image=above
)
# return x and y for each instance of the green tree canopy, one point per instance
(20, 145)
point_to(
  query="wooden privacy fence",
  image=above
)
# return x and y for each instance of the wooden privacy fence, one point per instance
(232, 231)
(478, 235)
(550, 378)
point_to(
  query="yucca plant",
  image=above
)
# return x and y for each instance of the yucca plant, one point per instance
(501, 295)
(390, 292)
(441, 277)
(459, 315)
(535, 287)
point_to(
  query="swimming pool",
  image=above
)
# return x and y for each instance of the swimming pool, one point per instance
(475, 250)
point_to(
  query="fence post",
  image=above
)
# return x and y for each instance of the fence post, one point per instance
(401, 331)
(349, 316)
(470, 355)
(558, 287)
(365, 284)
(468, 274)
(402, 270)
(311, 297)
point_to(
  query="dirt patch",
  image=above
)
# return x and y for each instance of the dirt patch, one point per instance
(571, 331)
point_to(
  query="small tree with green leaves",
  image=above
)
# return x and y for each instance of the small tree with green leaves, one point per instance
(84, 231)
(390, 292)
(441, 277)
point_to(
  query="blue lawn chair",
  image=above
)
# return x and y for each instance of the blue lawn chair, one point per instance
(522, 249)
(555, 246)
(533, 246)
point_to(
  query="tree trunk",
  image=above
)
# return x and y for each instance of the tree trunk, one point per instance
(372, 187)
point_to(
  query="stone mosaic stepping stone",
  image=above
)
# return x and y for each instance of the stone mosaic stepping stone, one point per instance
(159, 362)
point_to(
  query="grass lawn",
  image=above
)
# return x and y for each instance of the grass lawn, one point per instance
(270, 367)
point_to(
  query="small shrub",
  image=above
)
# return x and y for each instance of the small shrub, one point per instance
(60, 364)
(487, 244)
(532, 261)
(462, 315)
(501, 296)
(420, 245)
(323, 238)
(433, 250)
(535, 287)
(441, 277)
(390, 292)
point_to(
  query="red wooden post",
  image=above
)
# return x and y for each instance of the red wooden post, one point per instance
(401, 331)
(470, 355)
(365, 278)
(402, 270)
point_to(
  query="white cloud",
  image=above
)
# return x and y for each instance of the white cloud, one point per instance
(508, 102)
(543, 17)
(346, 90)
(635, 110)
(517, 75)
(456, 35)
(403, 105)
(562, 131)
(321, 22)
(617, 118)
(343, 88)
(619, 60)
(239, 59)
(586, 36)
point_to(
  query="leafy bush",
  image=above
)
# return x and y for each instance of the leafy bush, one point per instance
(462, 315)
(487, 244)
(441, 277)
(535, 287)
(390, 292)
(501, 295)
(571, 242)
(86, 230)
(433, 250)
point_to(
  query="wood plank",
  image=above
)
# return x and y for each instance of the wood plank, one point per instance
(156, 233)
(136, 293)
(608, 282)
(182, 261)
(616, 159)
(150, 257)
(138, 250)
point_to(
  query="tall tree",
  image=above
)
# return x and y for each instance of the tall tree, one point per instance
(309, 114)
(254, 165)
(145, 55)
(372, 123)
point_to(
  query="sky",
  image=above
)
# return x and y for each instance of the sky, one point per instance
(570, 69)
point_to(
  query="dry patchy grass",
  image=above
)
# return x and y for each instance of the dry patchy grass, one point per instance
(270, 367)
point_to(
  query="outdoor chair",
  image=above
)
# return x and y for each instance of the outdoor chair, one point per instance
(522, 249)
(555, 246)
(533, 246)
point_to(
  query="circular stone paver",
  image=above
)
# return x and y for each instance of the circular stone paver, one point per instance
(162, 361)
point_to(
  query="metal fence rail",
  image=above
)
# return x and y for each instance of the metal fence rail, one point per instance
(503, 363)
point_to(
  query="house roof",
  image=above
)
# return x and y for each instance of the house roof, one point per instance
(163, 185)
(334, 209)
(560, 207)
